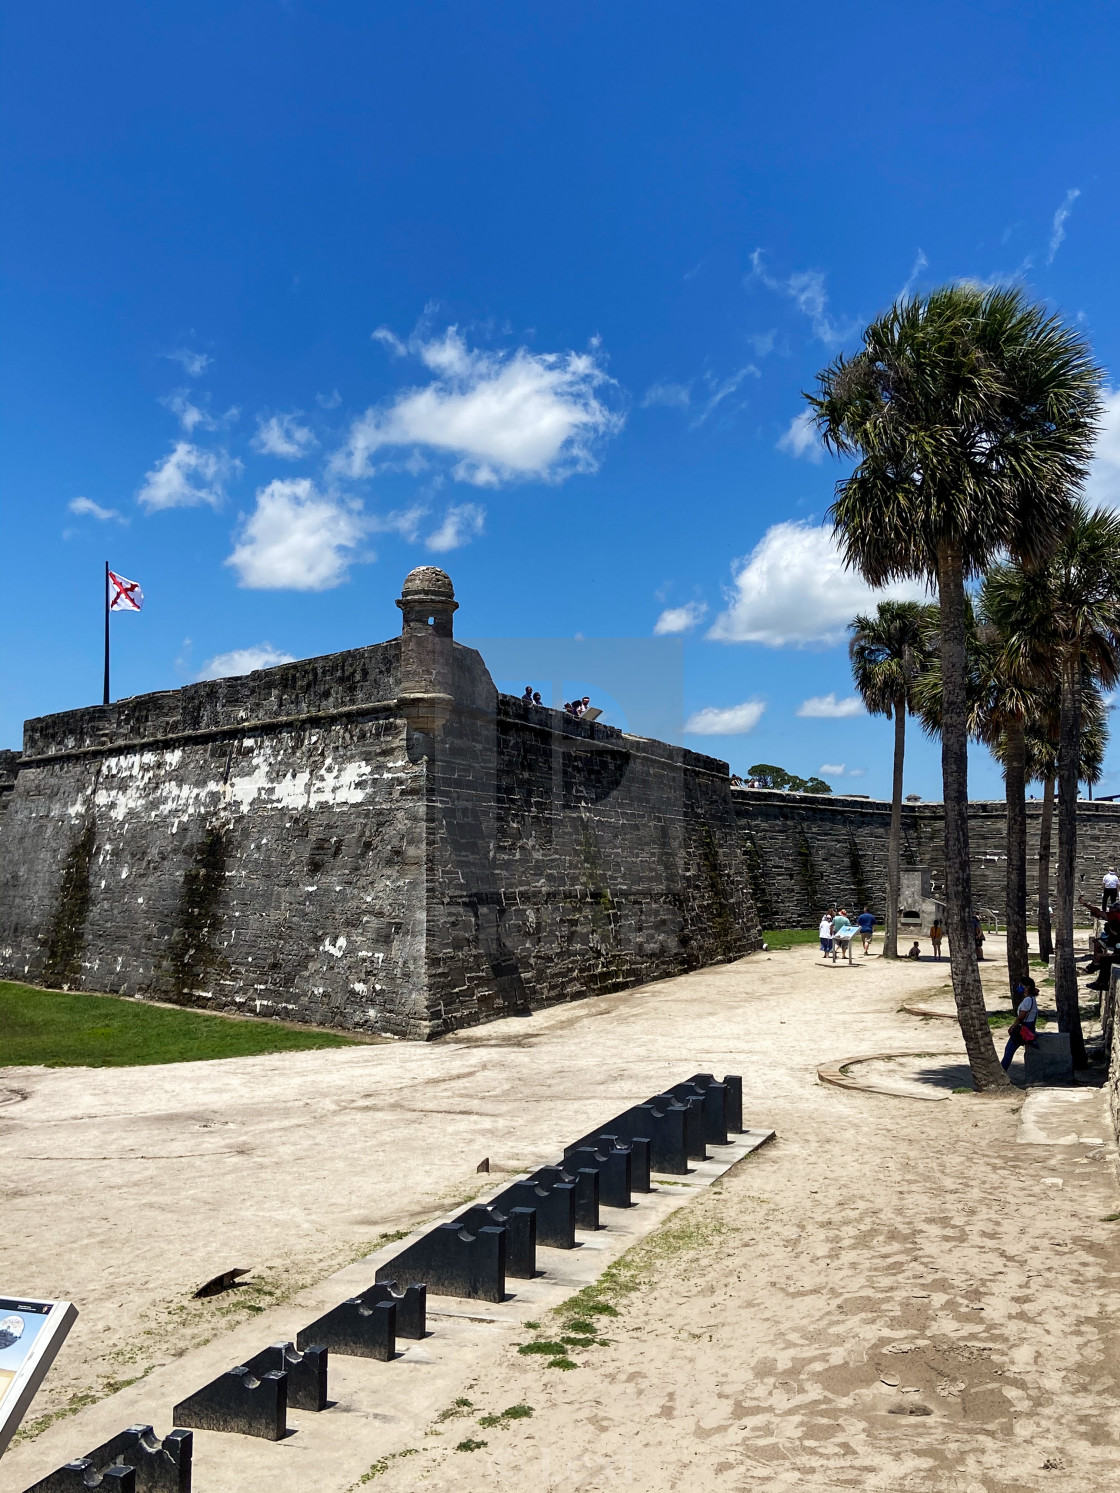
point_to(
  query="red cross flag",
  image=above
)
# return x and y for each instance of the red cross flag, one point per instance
(124, 596)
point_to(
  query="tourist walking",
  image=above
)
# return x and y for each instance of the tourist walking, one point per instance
(936, 934)
(825, 933)
(842, 935)
(1022, 1028)
(866, 924)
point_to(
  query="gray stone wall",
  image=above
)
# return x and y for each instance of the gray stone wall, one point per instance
(566, 859)
(289, 845)
(252, 844)
(810, 851)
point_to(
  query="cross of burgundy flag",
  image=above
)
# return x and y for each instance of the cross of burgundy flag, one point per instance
(124, 596)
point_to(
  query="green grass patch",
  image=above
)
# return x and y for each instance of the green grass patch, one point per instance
(67, 1029)
(549, 1349)
(562, 1363)
(383, 1464)
(471, 1445)
(1111, 1218)
(789, 938)
(682, 1233)
(514, 1412)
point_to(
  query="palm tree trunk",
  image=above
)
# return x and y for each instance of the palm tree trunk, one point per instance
(967, 989)
(894, 844)
(1015, 787)
(1069, 762)
(1045, 830)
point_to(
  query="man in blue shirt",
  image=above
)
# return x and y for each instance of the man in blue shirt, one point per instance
(866, 922)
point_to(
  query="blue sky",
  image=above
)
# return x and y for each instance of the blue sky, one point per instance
(298, 296)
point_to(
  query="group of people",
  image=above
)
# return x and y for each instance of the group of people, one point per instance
(837, 932)
(738, 782)
(576, 707)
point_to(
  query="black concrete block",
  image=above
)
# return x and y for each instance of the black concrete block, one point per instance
(520, 1225)
(693, 1104)
(638, 1151)
(585, 1180)
(733, 1097)
(411, 1304)
(614, 1168)
(307, 1373)
(80, 1476)
(354, 1329)
(455, 1262)
(555, 1208)
(663, 1125)
(714, 1108)
(238, 1401)
(135, 1458)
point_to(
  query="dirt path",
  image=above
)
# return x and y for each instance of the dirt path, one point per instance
(754, 1350)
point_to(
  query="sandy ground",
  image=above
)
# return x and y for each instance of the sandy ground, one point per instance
(951, 1246)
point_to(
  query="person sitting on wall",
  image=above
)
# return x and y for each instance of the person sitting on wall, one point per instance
(1026, 1016)
(1106, 948)
(915, 951)
(736, 780)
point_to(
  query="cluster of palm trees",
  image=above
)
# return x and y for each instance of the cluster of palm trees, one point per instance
(972, 415)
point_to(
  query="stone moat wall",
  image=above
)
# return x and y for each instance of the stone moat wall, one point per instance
(806, 852)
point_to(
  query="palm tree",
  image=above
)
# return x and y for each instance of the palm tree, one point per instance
(1001, 699)
(1076, 616)
(888, 651)
(1042, 766)
(973, 414)
(1011, 689)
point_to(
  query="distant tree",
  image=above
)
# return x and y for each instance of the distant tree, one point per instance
(972, 416)
(888, 650)
(769, 776)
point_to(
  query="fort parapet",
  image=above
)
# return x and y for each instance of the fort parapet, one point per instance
(375, 840)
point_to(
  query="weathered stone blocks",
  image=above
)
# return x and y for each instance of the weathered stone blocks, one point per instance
(135, 1461)
(356, 1329)
(306, 1371)
(454, 1261)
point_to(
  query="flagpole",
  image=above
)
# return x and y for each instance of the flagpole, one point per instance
(106, 700)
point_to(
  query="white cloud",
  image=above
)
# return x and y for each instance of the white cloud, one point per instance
(1103, 485)
(806, 289)
(680, 619)
(834, 769)
(461, 523)
(1058, 227)
(188, 477)
(390, 340)
(191, 415)
(675, 396)
(829, 708)
(283, 435)
(734, 720)
(801, 438)
(502, 415)
(297, 539)
(244, 661)
(721, 389)
(402, 521)
(193, 363)
(329, 401)
(857, 772)
(920, 263)
(87, 508)
(793, 589)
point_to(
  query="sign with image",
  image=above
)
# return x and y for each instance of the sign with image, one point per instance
(31, 1333)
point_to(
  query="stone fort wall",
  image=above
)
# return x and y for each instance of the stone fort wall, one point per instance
(806, 852)
(364, 843)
